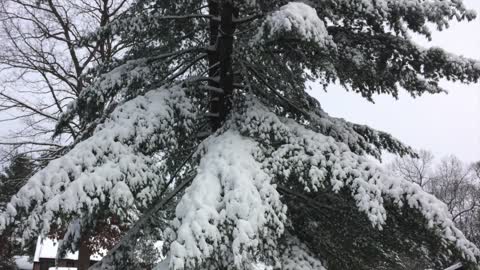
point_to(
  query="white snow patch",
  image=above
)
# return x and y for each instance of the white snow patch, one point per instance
(299, 18)
(231, 195)
(23, 262)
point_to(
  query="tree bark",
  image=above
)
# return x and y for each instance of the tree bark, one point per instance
(221, 62)
(213, 63)
(83, 255)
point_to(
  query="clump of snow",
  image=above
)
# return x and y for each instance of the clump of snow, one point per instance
(230, 208)
(110, 164)
(299, 18)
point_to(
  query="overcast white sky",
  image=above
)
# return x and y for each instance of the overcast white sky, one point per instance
(444, 124)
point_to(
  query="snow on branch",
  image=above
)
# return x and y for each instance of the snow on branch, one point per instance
(298, 18)
(113, 168)
(231, 195)
(401, 14)
(318, 162)
(361, 139)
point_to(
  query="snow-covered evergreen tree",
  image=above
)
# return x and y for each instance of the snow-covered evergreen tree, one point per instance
(204, 131)
(12, 178)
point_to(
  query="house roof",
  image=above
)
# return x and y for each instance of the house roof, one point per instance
(47, 249)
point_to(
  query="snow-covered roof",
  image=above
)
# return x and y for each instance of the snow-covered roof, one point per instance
(47, 249)
(23, 263)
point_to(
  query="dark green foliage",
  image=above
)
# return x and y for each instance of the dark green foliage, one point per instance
(343, 237)
(11, 180)
(14, 177)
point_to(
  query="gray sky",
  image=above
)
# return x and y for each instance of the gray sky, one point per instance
(443, 124)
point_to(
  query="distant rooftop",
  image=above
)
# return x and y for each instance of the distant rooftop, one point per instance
(47, 249)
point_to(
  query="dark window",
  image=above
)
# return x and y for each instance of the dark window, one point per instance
(70, 264)
(44, 265)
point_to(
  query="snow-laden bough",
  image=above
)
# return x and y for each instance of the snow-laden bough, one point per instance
(231, 209)
(110, 164)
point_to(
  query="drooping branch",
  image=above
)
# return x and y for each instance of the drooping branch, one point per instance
(141, 222)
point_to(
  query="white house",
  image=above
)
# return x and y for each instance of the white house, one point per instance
(46, 252)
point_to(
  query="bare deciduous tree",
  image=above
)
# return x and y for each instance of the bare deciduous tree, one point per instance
(417, 170)
(44, 61)
(452, 181)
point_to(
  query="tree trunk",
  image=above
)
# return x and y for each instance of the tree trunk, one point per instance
(213, 64)
(83, 255)
(220, 61)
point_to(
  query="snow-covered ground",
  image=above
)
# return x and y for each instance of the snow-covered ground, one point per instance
(23, 263)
